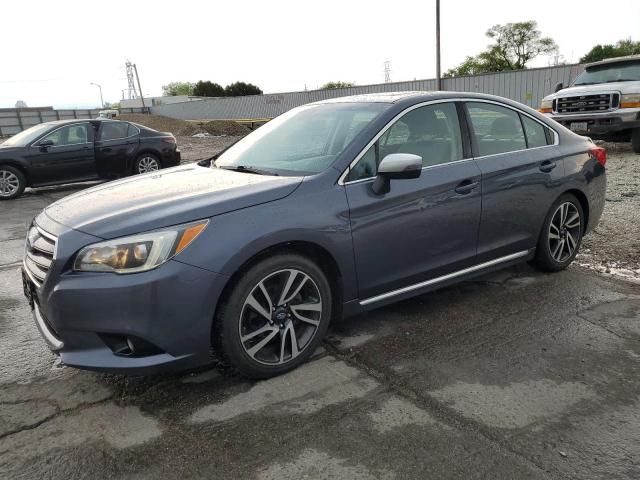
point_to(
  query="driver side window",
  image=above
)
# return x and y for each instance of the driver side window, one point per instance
(432, 132)
(69, 135)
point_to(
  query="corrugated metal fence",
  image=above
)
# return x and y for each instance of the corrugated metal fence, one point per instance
(14, 120)
(525, 86)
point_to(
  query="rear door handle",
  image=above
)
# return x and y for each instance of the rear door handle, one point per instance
(547, 166)
(465, 187)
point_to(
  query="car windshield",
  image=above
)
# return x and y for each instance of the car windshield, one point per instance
(612, 72)
(27, 136)
(303, 141)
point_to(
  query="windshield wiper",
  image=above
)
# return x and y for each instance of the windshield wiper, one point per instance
(248, 169)
(621, 80)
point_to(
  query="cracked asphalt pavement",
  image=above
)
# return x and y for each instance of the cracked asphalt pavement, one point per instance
(515, 375)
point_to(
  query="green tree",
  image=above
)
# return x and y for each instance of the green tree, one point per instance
(620, 49)
(239, 89)
(177, 88)
(334, 85)
(514, 45)
(208, 89)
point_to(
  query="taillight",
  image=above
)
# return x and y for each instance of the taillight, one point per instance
(169, 139)
(600, 154)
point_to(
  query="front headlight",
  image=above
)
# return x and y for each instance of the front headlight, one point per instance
(137, 253)
(630, 100)
(545, 106)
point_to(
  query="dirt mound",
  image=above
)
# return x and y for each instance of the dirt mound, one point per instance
(184, 128)
(162, 124)
(225, 127)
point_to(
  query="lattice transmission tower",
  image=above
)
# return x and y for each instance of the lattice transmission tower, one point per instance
(131, 81)
(387, 71)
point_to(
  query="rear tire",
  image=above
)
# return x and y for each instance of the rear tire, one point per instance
(277, 299)
(12, 182)
(635, 140)
(561, 235)
(145, 163)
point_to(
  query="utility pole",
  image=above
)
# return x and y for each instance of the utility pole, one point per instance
(139, 87)
(438, 77)
(100, 88)
(387, 71)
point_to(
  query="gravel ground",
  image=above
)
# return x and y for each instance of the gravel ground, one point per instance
(614, 246)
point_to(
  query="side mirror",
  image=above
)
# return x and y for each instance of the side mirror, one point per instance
(396, 166)
(558, 87)
(45, 144)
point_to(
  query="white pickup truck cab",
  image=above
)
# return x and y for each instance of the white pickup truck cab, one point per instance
(603, 102)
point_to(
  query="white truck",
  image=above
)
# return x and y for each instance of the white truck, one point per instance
(603, 101)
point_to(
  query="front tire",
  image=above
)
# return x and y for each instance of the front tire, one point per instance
(561, 235)
(12, 182)
(274, 318)
(145, 163)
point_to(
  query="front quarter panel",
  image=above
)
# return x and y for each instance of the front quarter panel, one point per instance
(317, 213)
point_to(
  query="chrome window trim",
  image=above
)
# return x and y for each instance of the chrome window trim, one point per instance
(442, 278)
(36, 143)
(341, 180)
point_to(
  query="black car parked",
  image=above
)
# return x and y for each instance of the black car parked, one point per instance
(68, 151)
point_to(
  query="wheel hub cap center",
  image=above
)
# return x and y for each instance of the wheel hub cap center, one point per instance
(280, 315)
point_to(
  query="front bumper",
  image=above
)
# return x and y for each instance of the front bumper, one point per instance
(170, 308)
(602, 123)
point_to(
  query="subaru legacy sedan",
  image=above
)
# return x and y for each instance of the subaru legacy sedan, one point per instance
(329, 210)
(66, 151)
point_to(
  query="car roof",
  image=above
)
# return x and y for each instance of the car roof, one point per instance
(412, 97)
(628, 58)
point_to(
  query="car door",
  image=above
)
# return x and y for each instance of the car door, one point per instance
(425, 227)
(521, 170)
(65, 154)
(116, 147)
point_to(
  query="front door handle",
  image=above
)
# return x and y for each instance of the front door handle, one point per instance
(466, 187)
(106, 150)
(547, 166)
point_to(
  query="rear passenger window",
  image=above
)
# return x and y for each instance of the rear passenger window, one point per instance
(114, 130)
(535, 131)
(497, 129)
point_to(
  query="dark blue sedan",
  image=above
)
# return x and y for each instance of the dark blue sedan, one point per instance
(329, 210)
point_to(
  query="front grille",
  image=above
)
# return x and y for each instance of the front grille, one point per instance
(600, 102)
(38, 254)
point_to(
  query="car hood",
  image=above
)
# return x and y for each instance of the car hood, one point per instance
(168, 197)
(622, 87)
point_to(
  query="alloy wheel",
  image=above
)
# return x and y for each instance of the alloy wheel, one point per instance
(148, 164)
(280, 317)
(564, 232)
(9, 183)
